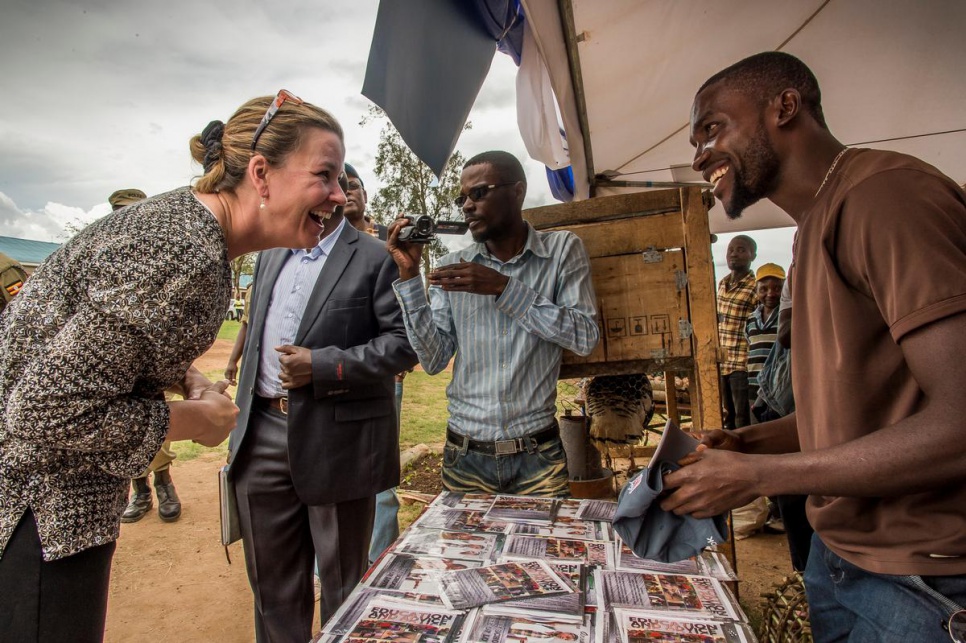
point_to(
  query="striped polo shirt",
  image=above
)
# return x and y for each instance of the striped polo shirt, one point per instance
(760, 334)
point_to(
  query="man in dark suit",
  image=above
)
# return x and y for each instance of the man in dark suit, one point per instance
(317, 437)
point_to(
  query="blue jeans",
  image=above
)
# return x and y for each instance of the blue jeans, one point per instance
(847, 603)
(541, 473)
(385, 525)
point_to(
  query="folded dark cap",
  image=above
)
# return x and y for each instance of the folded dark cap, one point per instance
(648, 530)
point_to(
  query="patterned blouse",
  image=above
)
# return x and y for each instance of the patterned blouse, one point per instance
(111, 319)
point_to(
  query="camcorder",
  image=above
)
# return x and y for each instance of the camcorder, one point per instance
(423, 229)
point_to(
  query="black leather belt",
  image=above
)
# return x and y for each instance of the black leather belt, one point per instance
(279, 404)
(504, 447)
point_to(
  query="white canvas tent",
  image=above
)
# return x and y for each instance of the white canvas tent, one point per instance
(891, 73)
(624, 73)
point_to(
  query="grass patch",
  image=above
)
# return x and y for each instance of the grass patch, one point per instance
(424, 413)
(409, 513)
(229, 330)
(187, 450)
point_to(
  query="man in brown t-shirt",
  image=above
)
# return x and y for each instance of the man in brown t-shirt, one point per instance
(879, 358)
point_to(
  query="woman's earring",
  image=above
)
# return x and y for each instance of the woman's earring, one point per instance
(262, 205)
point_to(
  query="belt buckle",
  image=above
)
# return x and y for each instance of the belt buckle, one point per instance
(505, 447)
(283, 405)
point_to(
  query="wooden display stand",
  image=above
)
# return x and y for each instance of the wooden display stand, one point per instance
(650, 256)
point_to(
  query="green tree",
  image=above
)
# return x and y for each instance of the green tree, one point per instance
(409, 186)
(242, 265)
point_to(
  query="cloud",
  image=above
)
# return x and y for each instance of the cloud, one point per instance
(108, 94)
(52, 223)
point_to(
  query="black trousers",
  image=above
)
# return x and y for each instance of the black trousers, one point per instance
(61, 600)
(282, 535)
(734, 395)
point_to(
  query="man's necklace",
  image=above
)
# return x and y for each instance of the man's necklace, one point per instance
(830, 169)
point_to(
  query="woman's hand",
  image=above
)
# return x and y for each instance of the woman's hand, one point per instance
(207, 419)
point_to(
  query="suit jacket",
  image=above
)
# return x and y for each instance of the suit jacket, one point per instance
(343, 440)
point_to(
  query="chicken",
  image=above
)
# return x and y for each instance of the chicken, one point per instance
(620, 407)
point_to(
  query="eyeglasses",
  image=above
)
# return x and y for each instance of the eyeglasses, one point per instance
(282, 96)
(957, 626)
(355, 185)
(478, 193)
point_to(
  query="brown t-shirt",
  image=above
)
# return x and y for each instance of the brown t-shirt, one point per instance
(880, 254)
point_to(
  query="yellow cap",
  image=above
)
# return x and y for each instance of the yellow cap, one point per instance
(125, 197)
(770, 270)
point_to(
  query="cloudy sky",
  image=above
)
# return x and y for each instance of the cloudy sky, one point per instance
(104, 95)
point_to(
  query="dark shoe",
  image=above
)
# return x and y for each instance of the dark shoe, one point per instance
(140, 501)
(169, 505)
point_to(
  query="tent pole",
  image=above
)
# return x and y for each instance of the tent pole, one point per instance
(573, 58)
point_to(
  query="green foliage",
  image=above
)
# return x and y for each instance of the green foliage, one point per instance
(243, 265)
(409, 186)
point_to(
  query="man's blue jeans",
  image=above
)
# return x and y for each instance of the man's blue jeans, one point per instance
(847, 603)
(385, 525)
(541, 473)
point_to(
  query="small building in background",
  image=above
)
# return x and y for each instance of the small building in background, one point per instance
(27, 252)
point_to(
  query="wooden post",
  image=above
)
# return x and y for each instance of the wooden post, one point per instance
(706, 406)
(702, 296)
(671, 395)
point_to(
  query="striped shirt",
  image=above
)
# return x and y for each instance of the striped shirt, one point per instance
(508, 348)
(760, 334)
(290, 296)
(736, 301)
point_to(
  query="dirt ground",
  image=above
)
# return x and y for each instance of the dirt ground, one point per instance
(171, 581)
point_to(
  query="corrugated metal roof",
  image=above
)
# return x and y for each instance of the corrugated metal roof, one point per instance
(27, 251)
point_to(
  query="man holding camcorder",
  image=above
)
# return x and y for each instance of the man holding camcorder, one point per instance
(506, 307)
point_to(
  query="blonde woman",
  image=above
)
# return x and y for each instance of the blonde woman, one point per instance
(112, 319)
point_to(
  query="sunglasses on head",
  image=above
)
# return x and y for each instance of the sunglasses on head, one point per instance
(478, 193)
(282, 96)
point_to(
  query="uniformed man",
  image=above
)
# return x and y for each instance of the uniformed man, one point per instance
(12, 276)
(169, 505)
